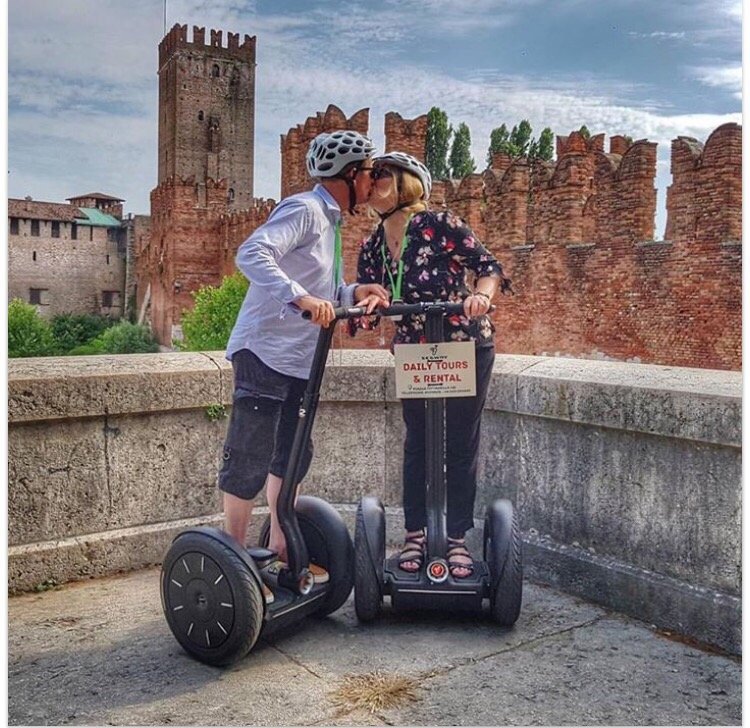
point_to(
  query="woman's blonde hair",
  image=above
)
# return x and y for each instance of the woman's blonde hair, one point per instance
(411, 192)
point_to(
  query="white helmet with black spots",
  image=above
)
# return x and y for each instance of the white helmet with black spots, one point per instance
(330, 152)
(412, 164)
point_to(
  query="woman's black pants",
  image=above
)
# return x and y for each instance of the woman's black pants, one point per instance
(463, 418)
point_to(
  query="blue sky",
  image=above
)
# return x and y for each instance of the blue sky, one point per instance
(82, 90)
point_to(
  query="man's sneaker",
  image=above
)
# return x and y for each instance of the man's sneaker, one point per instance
(320, 575)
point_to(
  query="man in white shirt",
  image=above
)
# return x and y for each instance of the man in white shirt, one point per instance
(294, 264)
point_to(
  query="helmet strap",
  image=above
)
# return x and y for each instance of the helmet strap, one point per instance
(385, 215)
(349, 179)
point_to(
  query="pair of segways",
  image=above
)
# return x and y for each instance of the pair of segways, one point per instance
(212, 588)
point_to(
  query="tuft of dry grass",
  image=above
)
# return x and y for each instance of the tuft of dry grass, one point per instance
(374, 691)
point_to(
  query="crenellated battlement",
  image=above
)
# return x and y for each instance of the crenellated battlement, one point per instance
(177, 39)
(405, 135)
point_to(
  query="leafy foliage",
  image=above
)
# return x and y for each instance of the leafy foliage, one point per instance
(208, 326)
(461, 162)
(126, 338)
(437, 142)
(28, 333)
(520, 143)
(73, 330)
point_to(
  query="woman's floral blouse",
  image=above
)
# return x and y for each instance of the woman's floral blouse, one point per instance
(440, 251)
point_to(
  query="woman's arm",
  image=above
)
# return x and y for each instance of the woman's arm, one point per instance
(470, 253)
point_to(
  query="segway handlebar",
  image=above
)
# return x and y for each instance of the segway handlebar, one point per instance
(397, 309)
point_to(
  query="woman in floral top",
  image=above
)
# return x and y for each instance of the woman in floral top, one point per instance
(420, 255)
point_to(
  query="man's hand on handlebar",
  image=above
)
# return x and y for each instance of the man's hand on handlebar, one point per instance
(371, 296)
(321, 311)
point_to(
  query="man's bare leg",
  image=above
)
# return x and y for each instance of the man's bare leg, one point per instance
(276, 540)
(237, 513)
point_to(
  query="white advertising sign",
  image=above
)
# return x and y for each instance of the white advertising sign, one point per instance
(435, 370)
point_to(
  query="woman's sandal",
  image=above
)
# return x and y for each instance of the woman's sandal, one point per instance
(412, 552)
(457, 555)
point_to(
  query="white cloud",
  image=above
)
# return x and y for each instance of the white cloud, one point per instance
(660, 35)
(83, 85)
(729, 77)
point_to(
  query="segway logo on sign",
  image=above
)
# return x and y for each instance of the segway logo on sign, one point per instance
(435, 370)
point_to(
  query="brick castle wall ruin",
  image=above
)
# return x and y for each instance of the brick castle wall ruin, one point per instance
(575, 235)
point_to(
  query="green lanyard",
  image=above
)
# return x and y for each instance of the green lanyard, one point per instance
(337, 256)
(396, 285)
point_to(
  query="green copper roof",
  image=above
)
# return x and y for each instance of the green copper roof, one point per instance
(97, 217)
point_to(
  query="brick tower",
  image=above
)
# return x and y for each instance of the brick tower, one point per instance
(207, 110)
(206, 138)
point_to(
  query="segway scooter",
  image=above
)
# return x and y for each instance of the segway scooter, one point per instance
(497, 577)
(212, 587)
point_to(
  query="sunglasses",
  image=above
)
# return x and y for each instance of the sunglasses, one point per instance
(381, 173)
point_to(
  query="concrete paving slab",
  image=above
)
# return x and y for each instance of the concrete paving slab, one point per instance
(611, 672)
(100, 652)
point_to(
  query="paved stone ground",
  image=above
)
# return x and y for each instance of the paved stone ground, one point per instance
(100, 652)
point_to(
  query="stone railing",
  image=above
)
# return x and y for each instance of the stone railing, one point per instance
(627, 477)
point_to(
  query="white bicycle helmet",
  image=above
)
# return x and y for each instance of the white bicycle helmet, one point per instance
(330, 152)
(412, 164)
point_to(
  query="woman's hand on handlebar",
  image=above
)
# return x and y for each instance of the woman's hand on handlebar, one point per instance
(321, 311)
(476, 305)
(371, 296)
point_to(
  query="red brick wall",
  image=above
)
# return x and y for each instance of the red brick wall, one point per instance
(405, 135)
(574, 235)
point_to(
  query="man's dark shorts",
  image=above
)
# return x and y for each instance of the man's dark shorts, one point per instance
(261, 428)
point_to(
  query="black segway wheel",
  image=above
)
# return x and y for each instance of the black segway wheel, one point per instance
(503, 553)
(328, 545)
(369, 554)
(211, 600)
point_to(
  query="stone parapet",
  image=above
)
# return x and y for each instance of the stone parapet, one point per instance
(622, 470)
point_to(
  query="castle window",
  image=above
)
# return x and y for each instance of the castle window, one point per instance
(91, 233)
(35, 228)
(200, 116)
(14, 226)
(110, 299)
(33, 256)
(38, 296)
(216, 71)
(230, 195)
(55, 229)
(73, 231)
(107, 259)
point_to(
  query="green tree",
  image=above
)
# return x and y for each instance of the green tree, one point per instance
(546, 145)
(28, 333)
(520, 143)
(520, 138)
(125, 338)
(73, 330)
(499, 142)
(208, 325)
(461, 161)
(437, 142)
(584, 132)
